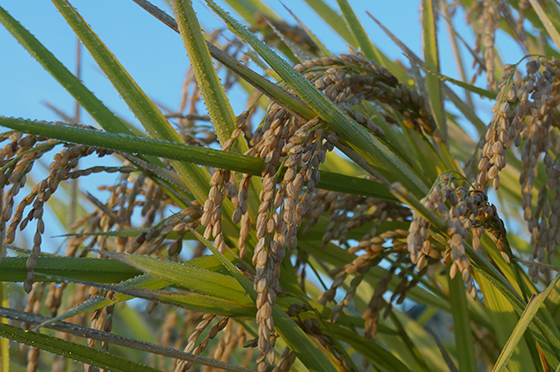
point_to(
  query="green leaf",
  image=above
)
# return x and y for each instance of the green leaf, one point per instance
(12, 269)
(354, 25)
(526, 318)
(99, 302)
(552, 31)
(72, 350)
(431, 56)
(425, 345)
(464, 340)
(143, 281)
(217, 103)
(131, 318)
(248, 9)
(465, 109)
(469, 87)
(189, 300)
(187, 153)
(453, 36)
(185, 276)
(300, 55)
(403, 338)
(196, 302)
(503, 316)
(4, 342)
(145, 347)
(135, 145)
(548, 341)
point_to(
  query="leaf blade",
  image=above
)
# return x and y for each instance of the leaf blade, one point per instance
(12, 269)
(72, 350)
(356, 28)
(552, 31)
(526, 318)
(189, 277)
(431, 56)
(187, 153)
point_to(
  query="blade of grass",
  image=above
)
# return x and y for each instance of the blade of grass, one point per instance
(356, 28)
(132, 320)
(431, 56)
(296, 51)
(248, 9)
(217, 103)
(12, 269)
(464, 342)
(99, 302)
(373, 351)
(552, 31)
(143, 108)
(209, 263)
(503, 316)
(416, 158)
(468, 87)
(189, 300)
(187, 153)
(369, 50)
(444, 353)
(422, 340)
(72, 350)
(416, 60)
(119, 340)
(527, 317)
(549, 342)
(189, 277)
(465, 109)
(4, 342)
(440, 148)
(135, 145)
(403, 335)
(452, 32)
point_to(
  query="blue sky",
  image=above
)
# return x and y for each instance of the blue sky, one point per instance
(153, 54)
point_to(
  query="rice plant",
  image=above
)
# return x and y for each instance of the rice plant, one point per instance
(347, 220)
